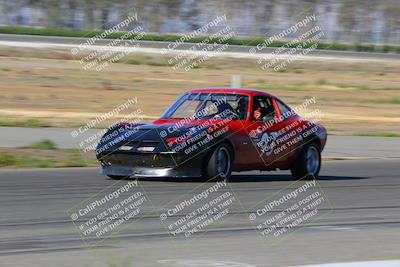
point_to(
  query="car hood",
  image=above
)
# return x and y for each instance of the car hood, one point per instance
(156, 133)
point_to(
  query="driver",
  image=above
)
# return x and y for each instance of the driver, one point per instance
(257, 110)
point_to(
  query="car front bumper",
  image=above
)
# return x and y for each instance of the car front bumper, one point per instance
(150, 165)
(148, 172)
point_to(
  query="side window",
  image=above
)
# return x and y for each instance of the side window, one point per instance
(263, 110)
(209, 109)
(187, 109)
(240, 106)
(286, 112)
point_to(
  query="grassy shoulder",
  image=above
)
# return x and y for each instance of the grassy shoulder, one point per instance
(26, 123)
(171, 38)
(378, 134)
(44, 154)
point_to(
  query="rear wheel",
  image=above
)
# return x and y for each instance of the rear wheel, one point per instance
(219, 164)
(308, 162)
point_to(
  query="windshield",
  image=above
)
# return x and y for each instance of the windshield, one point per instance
(208, 106)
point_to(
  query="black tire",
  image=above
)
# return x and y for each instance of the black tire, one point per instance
(219, 163)
(117, 177)
(307, 163)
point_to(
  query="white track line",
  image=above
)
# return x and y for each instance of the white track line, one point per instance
(44, 45)
(335, 228)
(388, 263)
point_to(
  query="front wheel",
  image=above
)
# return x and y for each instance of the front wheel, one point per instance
(219, 164)
(308, 162)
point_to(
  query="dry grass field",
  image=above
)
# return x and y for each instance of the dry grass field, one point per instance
(46, 88)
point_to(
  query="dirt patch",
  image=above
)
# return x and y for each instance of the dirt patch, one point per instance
(53, 89)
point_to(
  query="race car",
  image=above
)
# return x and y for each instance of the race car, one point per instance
(212, 132)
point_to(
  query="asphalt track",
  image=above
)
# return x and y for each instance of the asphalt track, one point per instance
(362, 222)
(344, 147)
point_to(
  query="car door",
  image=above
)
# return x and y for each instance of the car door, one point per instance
(244, 150)
(286, 143)
(264, 130)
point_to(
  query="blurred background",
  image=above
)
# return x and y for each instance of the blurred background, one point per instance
(344, 21)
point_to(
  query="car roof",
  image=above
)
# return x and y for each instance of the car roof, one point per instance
(228, 90)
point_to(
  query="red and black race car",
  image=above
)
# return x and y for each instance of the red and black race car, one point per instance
(212, 132)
